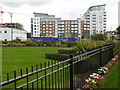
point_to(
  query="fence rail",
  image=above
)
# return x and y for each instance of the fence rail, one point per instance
(61, 74)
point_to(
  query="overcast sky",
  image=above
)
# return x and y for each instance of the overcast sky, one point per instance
(66, 9)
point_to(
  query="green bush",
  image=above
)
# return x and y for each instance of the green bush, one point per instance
(66, 50)
(29, 43)
(58, 43)
(55, 56)
(117, 49)
(85, 45)
(38, 43)
(20, 44)
(99, 37)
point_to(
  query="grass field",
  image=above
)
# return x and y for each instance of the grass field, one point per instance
(112, 81)
(16, 58)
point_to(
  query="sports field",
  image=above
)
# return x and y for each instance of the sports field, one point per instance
(16, 58)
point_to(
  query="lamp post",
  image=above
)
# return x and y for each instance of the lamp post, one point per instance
(11, 26)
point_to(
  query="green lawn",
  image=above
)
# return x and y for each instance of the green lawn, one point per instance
(112, 80)
(16, 58)
(0, 62)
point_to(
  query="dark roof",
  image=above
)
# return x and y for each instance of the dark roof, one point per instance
(98, 5)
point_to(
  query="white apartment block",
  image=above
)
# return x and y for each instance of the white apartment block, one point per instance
(8, 34)
(95, 18)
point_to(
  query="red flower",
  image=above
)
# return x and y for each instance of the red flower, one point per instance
(101, 79)
(88, 83)
(116, 56)
(105, 66)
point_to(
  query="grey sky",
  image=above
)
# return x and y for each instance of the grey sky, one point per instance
(66, 9)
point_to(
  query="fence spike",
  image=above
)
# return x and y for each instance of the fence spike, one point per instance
(21, 72)
(7, 76)
(41, 65)
(36, 67)
(31, 68)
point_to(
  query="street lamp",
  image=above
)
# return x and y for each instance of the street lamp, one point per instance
(11, 26)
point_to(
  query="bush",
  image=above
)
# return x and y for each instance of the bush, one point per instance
(56, 56)
(85, 45)
(117, 49)
(66, 50)
(38, 43)
(99, 37)
(58, 44)
(29, 43)
(70, 44)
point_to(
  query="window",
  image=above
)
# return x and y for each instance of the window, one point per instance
(5, 39)
(5, 31)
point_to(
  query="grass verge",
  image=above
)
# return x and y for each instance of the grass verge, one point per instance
(112, 80)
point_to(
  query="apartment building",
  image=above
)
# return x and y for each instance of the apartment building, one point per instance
(69, 28)
(44, 25)
(95, 20)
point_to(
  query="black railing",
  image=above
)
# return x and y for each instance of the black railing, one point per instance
(70, 73)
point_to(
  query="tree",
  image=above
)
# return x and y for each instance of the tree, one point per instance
(99, 37)
(118, 30)
(28, 34)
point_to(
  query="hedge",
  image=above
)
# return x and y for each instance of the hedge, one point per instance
(56, 56)
(66, 50)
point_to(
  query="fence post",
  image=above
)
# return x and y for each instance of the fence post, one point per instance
(110, 51)
(100, 56)
(71, 72)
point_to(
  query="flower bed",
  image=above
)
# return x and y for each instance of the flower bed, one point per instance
(96, 79)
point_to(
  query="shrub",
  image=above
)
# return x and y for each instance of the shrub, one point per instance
(85, 45)
(70, 44)
(117, 49)
(56, 56)
(20, 44)
(29, 43)
(58, 43)
(66, 50)
(38, 43)
(99, 37)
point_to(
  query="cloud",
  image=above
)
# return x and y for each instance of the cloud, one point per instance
(16, 3)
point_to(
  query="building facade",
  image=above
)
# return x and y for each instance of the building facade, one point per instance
(8, 34)
(15, 33)
(69, 28)
(95, 20)
(44, 25)
(119, 13)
